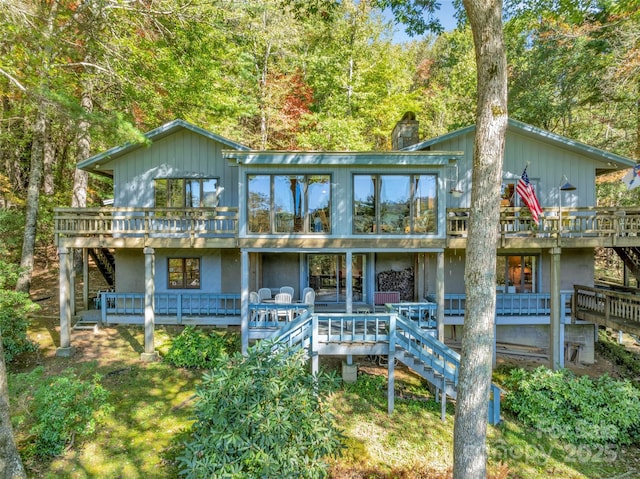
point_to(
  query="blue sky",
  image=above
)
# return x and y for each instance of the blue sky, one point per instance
(445, 14)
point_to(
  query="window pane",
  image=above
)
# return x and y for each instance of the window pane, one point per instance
(395, 195)
(319, 200)
(192, 192)
(161, 200)
(364, 204)
(209, 197)
(259, 202)
(176, 193)
(288, 203)
(192, 273)
(176, 273)
(425, 204)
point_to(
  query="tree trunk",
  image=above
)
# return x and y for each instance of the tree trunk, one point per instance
(48, 160)
(33, 195)
(474, 381)
(10, 463)
(81, 177)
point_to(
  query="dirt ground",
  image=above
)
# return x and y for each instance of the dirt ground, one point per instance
(108, 344)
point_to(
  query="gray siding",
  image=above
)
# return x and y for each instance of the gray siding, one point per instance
(182, 155)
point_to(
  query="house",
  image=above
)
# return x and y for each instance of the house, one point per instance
(199, 221)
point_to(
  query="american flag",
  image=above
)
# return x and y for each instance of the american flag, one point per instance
(525, 190)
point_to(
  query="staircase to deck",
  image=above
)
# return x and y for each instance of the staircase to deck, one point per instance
(631, 259)
(105, 262)
(411, 345)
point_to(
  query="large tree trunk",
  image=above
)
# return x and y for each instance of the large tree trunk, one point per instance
(81, 177)
(474, 382)
(10, 463)
(33, 196)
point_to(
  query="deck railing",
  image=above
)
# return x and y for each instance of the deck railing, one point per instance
(178, 305)
(608, 307)
(511, 304)
(145, 222)
(223, 222)
(587, 221)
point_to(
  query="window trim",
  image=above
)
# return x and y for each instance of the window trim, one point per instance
(185, 181)
(185, 283)
(378, 208)
(308, 223)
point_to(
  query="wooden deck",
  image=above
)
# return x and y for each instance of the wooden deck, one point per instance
(611, 309)
(218, 227)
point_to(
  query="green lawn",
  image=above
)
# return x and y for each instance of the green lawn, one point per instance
(152, 406)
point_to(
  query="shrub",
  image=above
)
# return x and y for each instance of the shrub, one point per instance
(261, 415)
(573, 408)
(194, 348)
(14, 308)
(66, 407)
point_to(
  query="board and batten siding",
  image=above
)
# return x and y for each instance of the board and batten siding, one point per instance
(183, 154)
(548, 163)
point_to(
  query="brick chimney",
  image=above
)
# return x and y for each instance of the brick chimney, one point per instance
(405, 133)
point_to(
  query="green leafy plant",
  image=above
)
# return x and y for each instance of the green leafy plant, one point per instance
(14, 309)
(573, 408)
(195, 348)
(66, 407)
(261, 415)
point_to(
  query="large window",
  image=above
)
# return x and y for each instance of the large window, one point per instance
(517, 274)
(186, 192)
(400, 204)
(289, 203)
(184, 273)
(327, 276)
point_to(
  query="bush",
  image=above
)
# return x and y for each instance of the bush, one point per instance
(14, 308)
(194, 348)
(66, 407)
(573, 408)
(261, 415)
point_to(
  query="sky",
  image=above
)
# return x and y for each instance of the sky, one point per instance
(445, 14)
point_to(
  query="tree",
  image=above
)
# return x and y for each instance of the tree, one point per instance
(10, 464)
(474, 380)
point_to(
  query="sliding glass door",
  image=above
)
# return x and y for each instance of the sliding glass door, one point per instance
(327, 276)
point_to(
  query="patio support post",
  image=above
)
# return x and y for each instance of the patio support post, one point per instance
(440, 294)
(150, 354)
(244, 301)
(349, 284)
(85, 278)
(65, 350)
(555, 337)
(391, 364)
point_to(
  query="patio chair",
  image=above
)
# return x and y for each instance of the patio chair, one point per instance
(288, 290)
(309, 297)
(257, 314)
(306, 290)
(287, 313)
(264, 293)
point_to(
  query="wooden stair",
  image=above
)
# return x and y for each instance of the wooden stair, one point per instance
(631, 259)
(105, 262)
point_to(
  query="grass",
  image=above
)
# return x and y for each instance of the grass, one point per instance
(153, 403)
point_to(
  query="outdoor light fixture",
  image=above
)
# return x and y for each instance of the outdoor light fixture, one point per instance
(455, 191)
(566, 186)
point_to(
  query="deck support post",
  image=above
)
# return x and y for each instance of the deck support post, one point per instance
(391, 383)
(315, 358)
(85, 278)
(556, 343)
(440, 294)
(65, 350)
(150, 354)
(244, 301)
(443, 400)
(349, 285)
